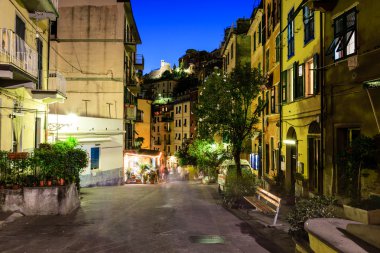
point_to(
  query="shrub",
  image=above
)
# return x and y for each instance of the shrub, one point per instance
(236, 188)
(316, 207)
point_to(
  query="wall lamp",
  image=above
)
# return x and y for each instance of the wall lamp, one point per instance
(290, 142)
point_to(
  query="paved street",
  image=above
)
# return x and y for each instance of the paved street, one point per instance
(170, 217)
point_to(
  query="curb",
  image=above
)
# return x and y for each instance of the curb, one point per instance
(11, 218)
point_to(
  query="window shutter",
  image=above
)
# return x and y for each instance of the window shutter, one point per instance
(283, 87)
(295, 79)
(301, 92)
(316, 73)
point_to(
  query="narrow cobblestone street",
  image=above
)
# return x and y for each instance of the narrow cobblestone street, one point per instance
(172, 217)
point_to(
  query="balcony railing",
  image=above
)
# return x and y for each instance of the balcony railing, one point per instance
(15, 51)
(139, 60)
(167, 119)
(130, 112)
(139, 116)
(57, 82)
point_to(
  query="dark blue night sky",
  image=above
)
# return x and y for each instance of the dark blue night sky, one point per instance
(169, 27)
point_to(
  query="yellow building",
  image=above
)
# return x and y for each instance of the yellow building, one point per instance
(271, 69)
(236, 45)
(181, 122)
(301, 101)
(255, 32)
(143, 122)
(24, 73)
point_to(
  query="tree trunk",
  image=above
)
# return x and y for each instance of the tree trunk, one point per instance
(237, 162)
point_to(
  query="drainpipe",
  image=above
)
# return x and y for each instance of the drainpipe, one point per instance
(322, 84)
(373, 109)
(280, 102)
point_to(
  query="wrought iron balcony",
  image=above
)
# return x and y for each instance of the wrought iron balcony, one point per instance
(167, 119)
(139, 62)
(140, 116)
(130, 112)
(18, 61)
(56, 91)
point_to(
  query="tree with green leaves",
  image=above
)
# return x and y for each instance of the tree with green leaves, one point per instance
(208, 154)
(225, 107)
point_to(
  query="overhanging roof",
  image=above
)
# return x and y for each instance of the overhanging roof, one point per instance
(40, 6)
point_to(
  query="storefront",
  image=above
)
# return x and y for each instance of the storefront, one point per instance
(138, 163)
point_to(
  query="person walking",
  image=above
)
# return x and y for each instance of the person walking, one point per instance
(166, 173)
(157, 175)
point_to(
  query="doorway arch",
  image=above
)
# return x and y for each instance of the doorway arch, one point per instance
(291, 160)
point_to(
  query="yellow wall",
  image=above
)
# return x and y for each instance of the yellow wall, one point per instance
(300, 113)
(32, 109)
(256, 55)
(144, 128)
(270, 121)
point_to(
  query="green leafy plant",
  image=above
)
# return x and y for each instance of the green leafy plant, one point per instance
(362, 153)
(152, 175)
(236, 188)
(316, 207)
(225, 107)
(208, 154)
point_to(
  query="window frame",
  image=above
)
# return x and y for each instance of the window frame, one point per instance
(278, 48)
(340, 40)
(273, 100)
(308, 24)
(291, 49)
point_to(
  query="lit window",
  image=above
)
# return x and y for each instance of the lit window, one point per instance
(273, 100)
(309, 78)
(344, 43)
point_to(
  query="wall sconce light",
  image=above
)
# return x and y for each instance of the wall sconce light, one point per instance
(290, 142)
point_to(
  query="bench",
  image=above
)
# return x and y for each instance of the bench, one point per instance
(265, 202)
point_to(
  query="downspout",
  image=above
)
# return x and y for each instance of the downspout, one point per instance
(47, 87)
(281, 99)
(322, 84)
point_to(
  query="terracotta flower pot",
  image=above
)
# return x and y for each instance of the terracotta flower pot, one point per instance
(42, 183)
(61, 181)
(49, 183)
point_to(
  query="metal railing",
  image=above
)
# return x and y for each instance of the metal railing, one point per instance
(57, 82)
(139, 59)
(15, 51)
(139, 116)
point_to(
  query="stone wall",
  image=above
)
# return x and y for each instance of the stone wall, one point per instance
(57, 200)
(103, 178)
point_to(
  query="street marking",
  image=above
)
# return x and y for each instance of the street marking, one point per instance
(207, 239)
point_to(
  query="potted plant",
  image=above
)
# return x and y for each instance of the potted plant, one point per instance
(152, 176)
(145, 177)
(363, 153)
